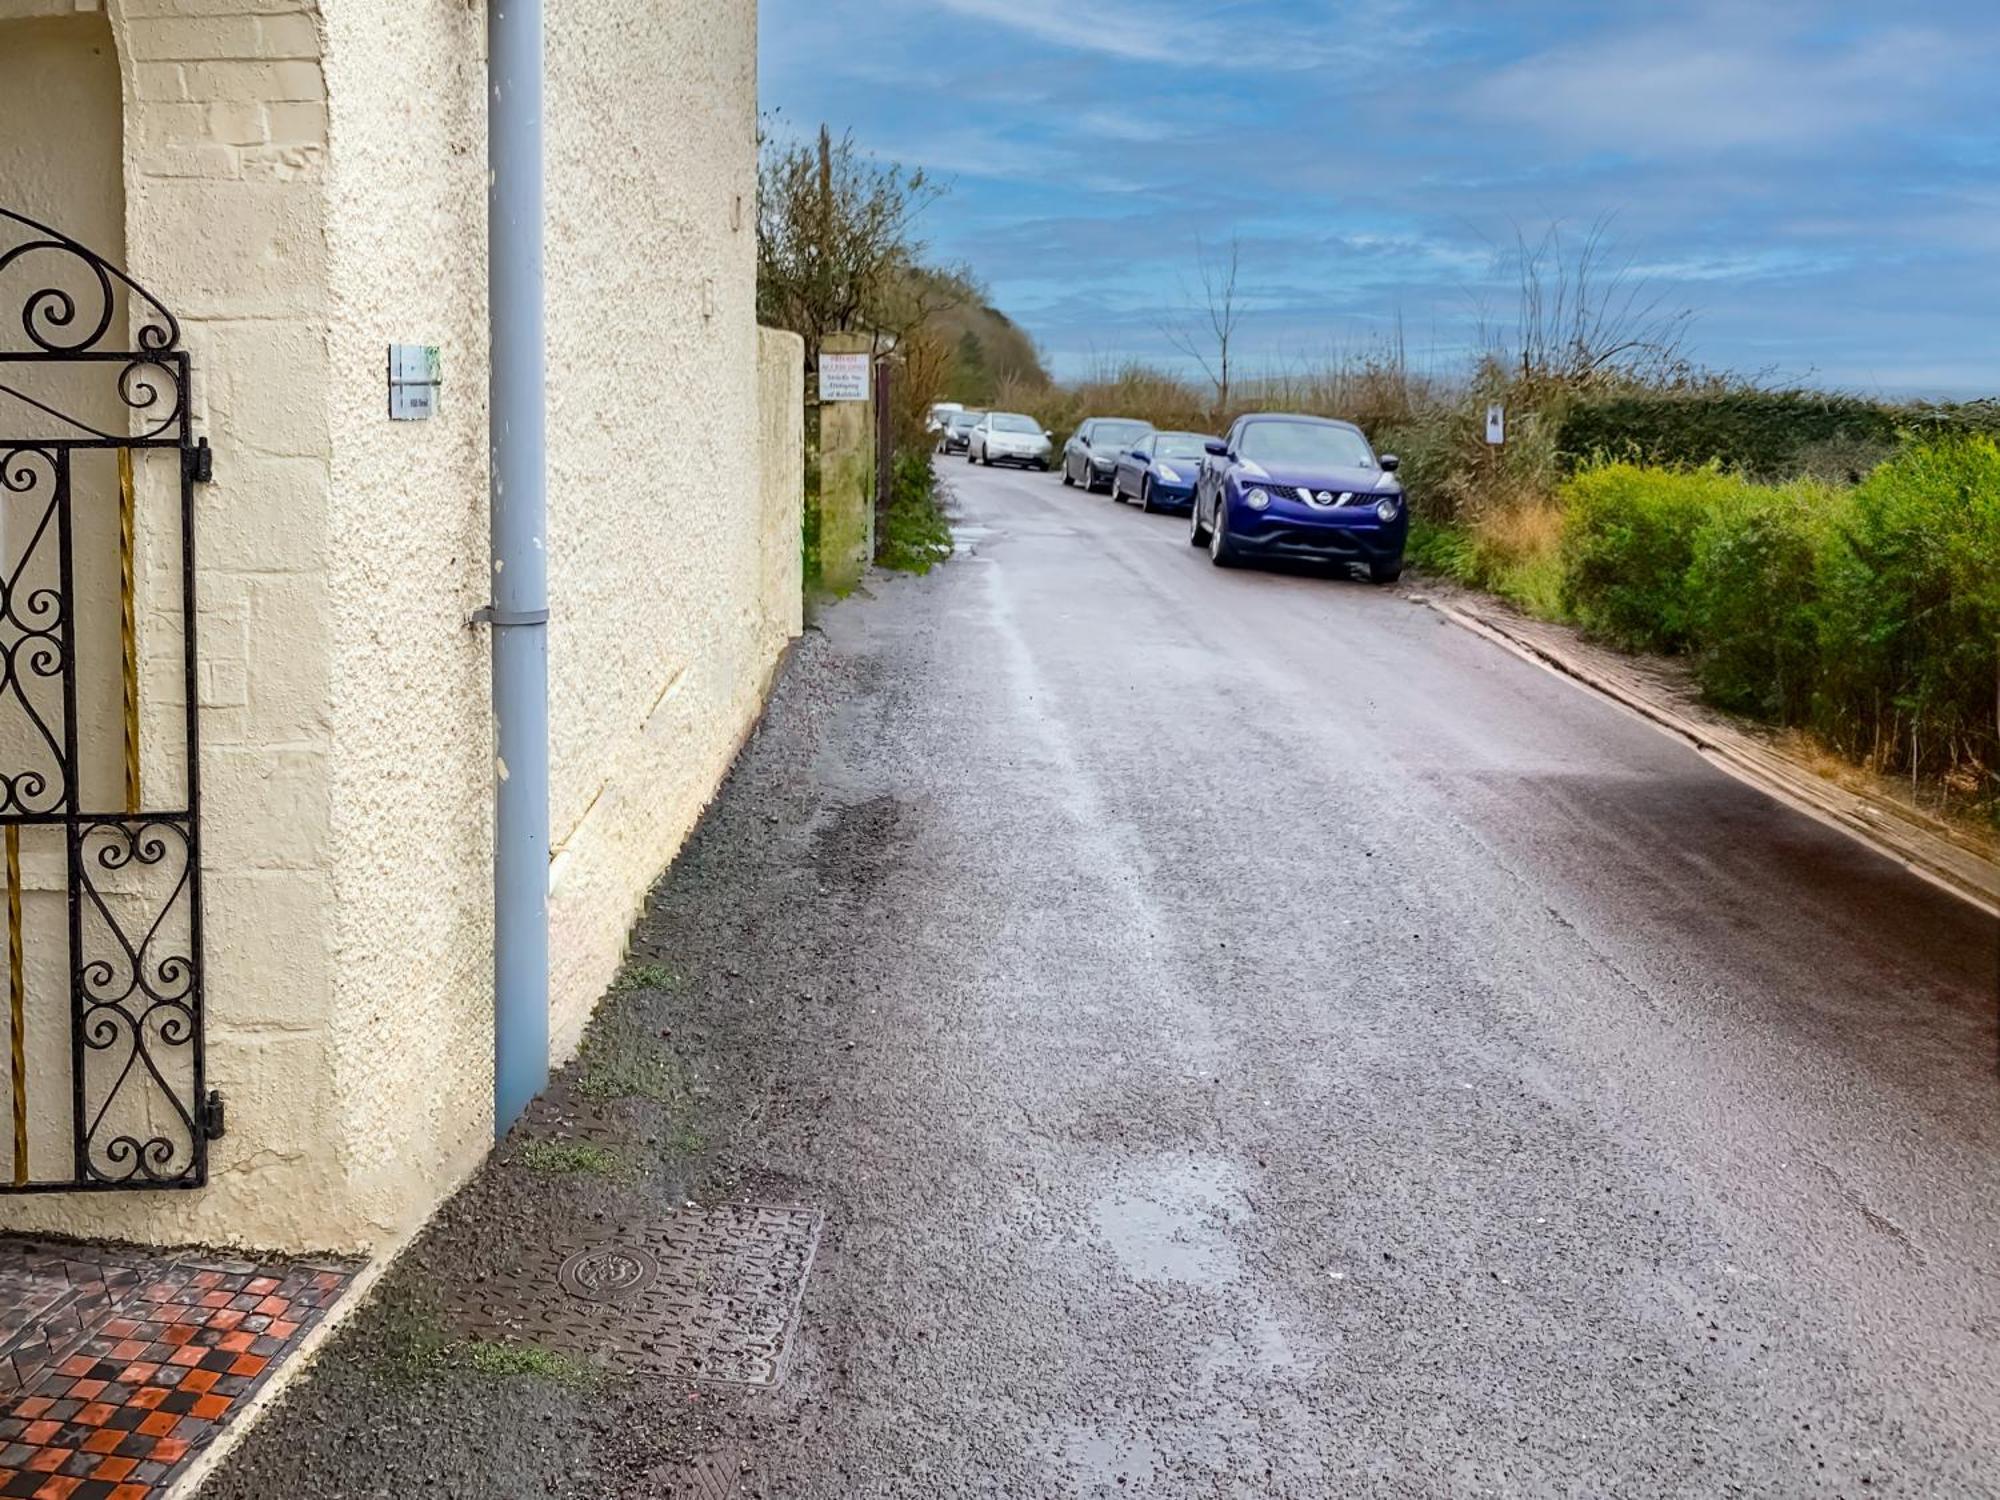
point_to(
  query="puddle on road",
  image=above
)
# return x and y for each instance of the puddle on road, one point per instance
(1169, 1221)
(966, 539)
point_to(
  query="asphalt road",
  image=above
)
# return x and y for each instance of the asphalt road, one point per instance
(1251, 1038)
(1332, 1056)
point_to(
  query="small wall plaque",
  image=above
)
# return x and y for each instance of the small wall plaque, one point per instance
(415, 373)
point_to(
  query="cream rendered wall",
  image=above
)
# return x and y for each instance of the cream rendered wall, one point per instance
(658, 654)
(411, 766)
(781, 452)
(306, 184)
(661, 640)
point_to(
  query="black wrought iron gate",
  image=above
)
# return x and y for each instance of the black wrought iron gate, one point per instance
(99, 765)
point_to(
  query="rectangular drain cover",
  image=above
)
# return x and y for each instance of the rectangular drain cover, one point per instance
(708, 1294)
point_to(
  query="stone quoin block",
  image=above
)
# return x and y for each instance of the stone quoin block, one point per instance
(239, 124)
(250, 249)
(264, 515)
(264, 80)
(189, 38)
(274, 375)
(264, 809)
(273, 921)
(296, 123)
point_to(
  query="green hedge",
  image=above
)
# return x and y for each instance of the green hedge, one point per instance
(1753, 595)
(1872, 613)
(1910, 612)
(1765, 434)
(1627, 544)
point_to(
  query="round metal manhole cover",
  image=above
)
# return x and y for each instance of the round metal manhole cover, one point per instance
(608, 1273)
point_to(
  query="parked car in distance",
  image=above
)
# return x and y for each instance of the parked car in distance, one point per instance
(1159, 470)
(1092, 451)
(1007, 437)
(940, 410)
(956, 433)
(1290, 486)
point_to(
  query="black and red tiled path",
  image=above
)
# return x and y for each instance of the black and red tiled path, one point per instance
(119, 1365)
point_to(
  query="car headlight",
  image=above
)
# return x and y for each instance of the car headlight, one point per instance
(1257, 500)
(1172, 476)
(1388, 510)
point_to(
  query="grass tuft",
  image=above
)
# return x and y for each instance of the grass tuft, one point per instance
(648, 976)
(570, 1159)
(514, 1361)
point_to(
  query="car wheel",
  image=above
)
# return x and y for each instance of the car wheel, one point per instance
(1385, 572)
(1197, 534)
(1146, 496)
(1117, 489)
(1069, 479)
(1221, 550)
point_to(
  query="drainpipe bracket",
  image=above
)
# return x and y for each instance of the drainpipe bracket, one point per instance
(488, 614)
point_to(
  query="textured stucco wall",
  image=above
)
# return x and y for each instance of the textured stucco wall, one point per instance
(306, 184)
(410, 823)
(656, 655)
(781, 454)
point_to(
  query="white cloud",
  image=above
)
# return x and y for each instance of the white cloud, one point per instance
(1739, 266)
(968, 152)
(1125, 125)
(1723, 81)
(1139, 31)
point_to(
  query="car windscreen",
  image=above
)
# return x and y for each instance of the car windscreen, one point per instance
(1008, 421)
(965, 418)
(1306, 444)
(1117, 434)
(1182, 445)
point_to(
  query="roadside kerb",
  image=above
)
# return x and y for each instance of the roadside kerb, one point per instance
(1882, 826)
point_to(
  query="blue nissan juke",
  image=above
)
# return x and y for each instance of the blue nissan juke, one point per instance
(1289, 486)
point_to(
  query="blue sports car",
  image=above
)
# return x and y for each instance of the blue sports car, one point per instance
(1286, 486)
(1159, 470)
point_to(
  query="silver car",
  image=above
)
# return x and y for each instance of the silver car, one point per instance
(956, 435)
(1007, 437)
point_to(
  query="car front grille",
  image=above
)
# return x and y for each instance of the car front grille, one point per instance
(1307, 496)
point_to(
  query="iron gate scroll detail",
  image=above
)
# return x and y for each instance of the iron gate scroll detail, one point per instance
(102, 872)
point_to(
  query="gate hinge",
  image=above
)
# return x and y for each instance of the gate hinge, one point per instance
(198, 462)
(212, 1121)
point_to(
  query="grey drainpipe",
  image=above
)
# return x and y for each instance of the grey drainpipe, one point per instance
(520, 610)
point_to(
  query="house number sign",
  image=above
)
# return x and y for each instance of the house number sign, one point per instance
(415, 373)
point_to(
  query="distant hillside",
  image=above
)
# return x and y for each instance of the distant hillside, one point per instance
(988, 348)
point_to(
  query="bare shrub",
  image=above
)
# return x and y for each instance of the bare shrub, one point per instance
(1584, 319)
(1206, 329)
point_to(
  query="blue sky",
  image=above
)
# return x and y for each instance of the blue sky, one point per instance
(1818, 180)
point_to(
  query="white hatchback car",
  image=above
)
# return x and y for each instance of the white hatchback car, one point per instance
(1007, 437)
